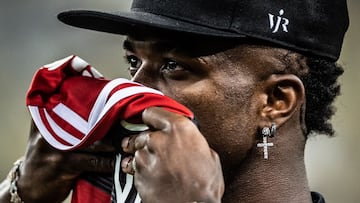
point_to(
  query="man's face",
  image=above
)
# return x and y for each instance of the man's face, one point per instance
(217, 81)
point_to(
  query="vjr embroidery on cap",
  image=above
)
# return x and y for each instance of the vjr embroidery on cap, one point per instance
(279, 20)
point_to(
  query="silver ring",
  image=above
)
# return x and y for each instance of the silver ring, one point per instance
(133, 164)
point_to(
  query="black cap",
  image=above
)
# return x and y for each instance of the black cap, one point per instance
(315, 27)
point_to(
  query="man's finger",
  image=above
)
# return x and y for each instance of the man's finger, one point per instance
(99, 147)
(128, 165)
(129, 144)
(160, 119)
(91, 163)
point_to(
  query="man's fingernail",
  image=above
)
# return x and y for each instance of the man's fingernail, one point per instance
(125, 162)
(125, 142)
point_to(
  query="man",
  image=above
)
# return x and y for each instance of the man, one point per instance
(260, 76)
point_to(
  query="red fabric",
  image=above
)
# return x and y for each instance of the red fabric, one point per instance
(84, 192)
(73, 106)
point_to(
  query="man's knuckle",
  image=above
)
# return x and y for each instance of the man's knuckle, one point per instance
(179, 124)
(101, 163)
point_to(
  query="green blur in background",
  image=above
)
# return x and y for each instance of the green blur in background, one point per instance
(31, 36)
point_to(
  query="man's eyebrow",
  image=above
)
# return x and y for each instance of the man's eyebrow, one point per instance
(127, 45)
(161, 46)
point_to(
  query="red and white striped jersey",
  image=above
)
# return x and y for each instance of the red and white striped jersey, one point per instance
(73, 106)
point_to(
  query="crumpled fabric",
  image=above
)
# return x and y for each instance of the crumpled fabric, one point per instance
(73, 106)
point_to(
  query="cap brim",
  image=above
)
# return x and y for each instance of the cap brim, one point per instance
(125, 23)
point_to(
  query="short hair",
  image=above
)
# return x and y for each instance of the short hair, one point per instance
(321, 89)
(320, 78)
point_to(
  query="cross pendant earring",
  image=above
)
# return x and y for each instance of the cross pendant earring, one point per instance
(265, 145)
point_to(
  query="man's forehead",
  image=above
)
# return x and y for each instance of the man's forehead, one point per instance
(130, 43)
(155, 46)
(180, 44)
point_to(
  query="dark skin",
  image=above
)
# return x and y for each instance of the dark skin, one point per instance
(234, 91)
(53, 172)
(254, 96)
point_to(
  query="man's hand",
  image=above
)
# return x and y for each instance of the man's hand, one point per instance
(173, 161)
(48, 175)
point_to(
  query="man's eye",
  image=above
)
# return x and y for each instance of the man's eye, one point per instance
(172, 70)
(134, 62)
(171, 66)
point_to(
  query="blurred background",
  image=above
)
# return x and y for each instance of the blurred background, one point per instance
(31, 36)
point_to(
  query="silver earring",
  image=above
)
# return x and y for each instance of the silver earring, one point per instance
(272, 130)
(267, 132)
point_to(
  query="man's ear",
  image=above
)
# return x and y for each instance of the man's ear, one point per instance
(284, 94)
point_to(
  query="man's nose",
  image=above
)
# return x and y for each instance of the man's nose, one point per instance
(146, 76)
